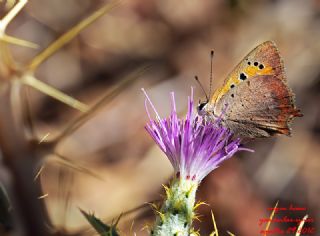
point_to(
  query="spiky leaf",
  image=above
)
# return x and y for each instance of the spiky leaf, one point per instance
(102, 228)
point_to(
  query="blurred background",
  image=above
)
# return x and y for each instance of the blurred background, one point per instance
(119, 167)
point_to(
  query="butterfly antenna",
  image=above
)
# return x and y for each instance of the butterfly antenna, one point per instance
(197, 79)
(211, 77)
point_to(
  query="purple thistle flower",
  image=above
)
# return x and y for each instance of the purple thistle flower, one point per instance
(194, 146)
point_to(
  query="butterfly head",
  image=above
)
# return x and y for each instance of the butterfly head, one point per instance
(201, 108)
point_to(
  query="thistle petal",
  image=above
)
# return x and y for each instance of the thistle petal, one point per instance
(193, 145)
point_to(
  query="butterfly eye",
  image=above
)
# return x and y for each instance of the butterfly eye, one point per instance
(201, 106)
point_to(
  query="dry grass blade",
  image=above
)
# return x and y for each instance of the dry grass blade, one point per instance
(270, 219)
(215, 232)
(301, 225)
(30, 80)
(104, 100)
(68, 36)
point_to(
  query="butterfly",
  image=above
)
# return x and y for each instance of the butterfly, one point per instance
(255, 100)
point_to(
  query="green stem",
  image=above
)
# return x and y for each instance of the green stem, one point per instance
(177, 212)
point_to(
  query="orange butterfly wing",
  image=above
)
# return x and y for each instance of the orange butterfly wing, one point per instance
(263, 60)
(259, 102)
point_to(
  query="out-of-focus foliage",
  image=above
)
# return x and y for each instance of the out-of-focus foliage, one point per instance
(5, 214)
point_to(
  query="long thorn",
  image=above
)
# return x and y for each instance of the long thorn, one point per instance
(39, 172)
(30, 80)
(12, 14)
(19, 42)
(68, 36)
(58, 158)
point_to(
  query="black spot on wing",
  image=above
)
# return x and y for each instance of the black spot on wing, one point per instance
(243, 76)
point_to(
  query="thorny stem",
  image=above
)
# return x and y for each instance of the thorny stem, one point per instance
(177, 212)
(20, 160)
